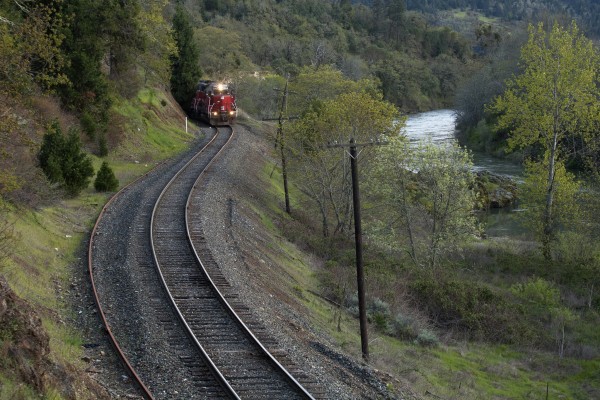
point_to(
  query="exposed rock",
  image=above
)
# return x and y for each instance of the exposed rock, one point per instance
(495, 191)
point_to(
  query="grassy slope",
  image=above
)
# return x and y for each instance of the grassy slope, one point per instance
(457, 371)
(50, 239)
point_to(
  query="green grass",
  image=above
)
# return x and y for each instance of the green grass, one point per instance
(150, 131)
(476, 371)
(9, 390)
(39, 271)
(271, 174)
(151, 97)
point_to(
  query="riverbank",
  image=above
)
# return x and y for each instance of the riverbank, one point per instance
(496, 179)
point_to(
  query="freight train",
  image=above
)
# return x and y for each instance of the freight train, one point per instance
(214, 103)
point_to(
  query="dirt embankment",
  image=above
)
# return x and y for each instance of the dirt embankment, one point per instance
(25, 355)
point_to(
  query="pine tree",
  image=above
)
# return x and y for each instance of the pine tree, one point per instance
(49, 156)
(63, 161)
(77, 167)
(186, 71)
(106, 181)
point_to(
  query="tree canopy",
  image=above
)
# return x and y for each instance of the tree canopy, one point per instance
(322, 173)
(555, 101)
(428, 197)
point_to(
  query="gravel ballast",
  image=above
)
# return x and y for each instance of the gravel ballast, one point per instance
(248, 258)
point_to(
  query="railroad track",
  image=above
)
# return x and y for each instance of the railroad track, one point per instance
(173, 327)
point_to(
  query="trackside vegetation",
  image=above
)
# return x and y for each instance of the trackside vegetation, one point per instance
(433, 278)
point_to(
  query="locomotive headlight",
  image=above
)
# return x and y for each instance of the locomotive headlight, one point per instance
(231, 112)
(215, 113)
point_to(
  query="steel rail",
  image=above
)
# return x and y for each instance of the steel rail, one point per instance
(224, 301)
(111, 336)
(216, 372)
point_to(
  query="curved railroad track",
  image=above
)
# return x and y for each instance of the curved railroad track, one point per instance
(244, 363)
(173, 328)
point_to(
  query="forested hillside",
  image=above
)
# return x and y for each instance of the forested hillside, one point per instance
(419, 66)
(584, 11)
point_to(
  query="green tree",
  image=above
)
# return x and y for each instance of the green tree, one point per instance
(50, 155)
(63, 161)
(324, 83)
(565, 205)
(255, 95)
(407, 82)
(106, 181)
(77, 167)
(160, 43)
(428, 197)
(554, 98)
(395, 13)
(323, 174)
(125, 38)
(102, 43)
(84, 45)
(185, 68)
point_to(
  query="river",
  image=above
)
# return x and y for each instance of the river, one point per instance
(439, 126)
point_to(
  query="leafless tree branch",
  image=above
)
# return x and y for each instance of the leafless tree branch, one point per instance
(6, 21)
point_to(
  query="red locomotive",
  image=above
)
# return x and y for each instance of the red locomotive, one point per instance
(214, 103)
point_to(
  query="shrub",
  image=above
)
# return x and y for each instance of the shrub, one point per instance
(475, 310)
(106, 181)
(403, 327)
(427, 338)
(354, 311)
(538, 291)
(379, 313)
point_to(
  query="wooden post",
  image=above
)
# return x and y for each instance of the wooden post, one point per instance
(360, 274)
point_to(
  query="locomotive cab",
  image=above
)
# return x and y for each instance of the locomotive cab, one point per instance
(214, 103)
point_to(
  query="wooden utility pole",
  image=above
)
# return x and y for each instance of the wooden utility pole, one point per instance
(280, 140)
(360, 273)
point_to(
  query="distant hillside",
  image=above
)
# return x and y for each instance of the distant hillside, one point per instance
(584, 11)
(419, 65)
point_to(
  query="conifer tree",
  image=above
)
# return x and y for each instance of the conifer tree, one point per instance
(77, 167)
(186, 71)
(63, 161)
(50, 153)
(106, 181)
